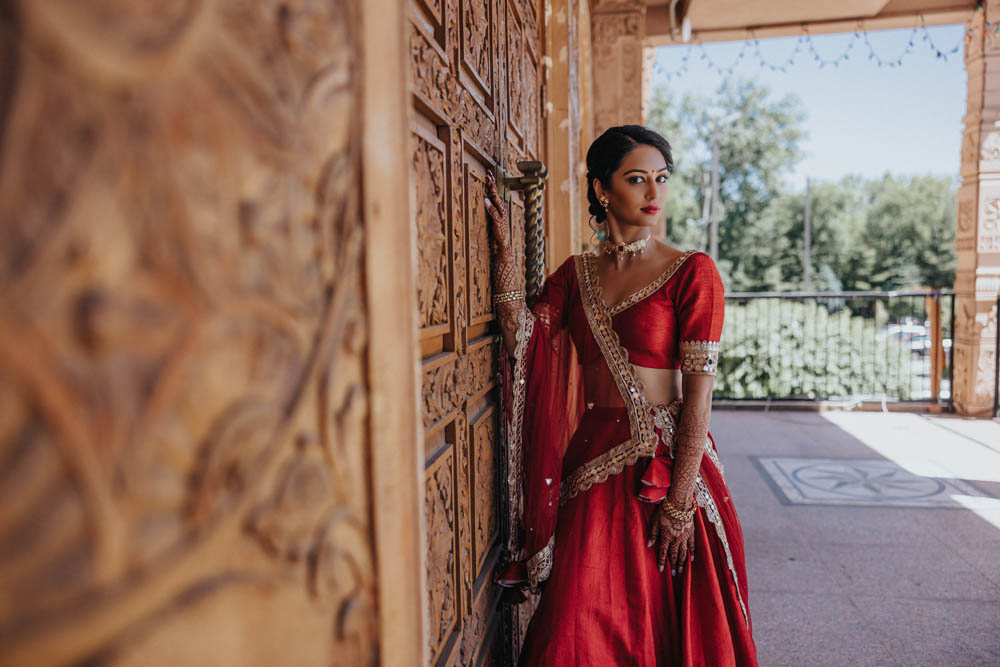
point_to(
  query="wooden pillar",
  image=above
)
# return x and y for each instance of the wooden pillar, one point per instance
(977, 280)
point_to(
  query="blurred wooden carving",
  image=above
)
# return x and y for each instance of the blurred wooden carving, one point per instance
(183, 452)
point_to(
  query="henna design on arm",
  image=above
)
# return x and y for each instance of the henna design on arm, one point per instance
(692, 432)
(505, 274)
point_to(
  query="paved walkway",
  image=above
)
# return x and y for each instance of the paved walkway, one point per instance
(872, 539)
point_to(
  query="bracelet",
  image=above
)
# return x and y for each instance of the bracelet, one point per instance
(677, 513)
(504, 297)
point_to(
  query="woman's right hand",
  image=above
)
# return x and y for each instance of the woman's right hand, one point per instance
(673, 540)
(498, 216)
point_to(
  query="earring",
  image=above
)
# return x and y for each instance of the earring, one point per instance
(604, 202)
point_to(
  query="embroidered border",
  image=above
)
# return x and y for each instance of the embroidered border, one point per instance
(540, 565)
(616, 459)
(525, 328)
(599, 468)
(713, 455)
(615, 355)
(708, 506)
(699, 357)
(636, 297)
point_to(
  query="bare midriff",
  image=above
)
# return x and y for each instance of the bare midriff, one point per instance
(662, 385)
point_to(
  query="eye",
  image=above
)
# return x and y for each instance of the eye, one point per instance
(636, 179)
(662, 178)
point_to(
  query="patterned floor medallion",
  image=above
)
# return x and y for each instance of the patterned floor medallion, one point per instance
(858, 482)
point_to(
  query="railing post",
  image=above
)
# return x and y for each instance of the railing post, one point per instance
(933, 305)
(996, 364)
(533, 183)
(951, 358)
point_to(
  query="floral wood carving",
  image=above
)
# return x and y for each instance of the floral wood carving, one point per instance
(184, 333)
(434, 81)
(529, 14)
(485, 490)
(476, 624)
(441, 391)
(432, 232)
(466, 566)
(531, 135)
(458, 246)
(476, 41)
(482, 364)
(480, 287)
(515, 75)
(441, 561)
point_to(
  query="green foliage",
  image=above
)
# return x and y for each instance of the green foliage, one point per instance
(787, 349)
(880, 234)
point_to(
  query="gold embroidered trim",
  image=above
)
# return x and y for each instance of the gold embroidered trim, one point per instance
(711, 510)
(515, 496)
(653, 286)
(616, 459)
(699, 357)
(713, 456)
(665, 418)
(615, 355)
(540, 565)
(599, 468)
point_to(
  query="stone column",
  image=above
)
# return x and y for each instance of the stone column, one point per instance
(977, 280)
(563, 114)
(617, 30)
(622, 67)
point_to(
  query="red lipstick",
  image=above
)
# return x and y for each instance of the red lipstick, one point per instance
(651, 209)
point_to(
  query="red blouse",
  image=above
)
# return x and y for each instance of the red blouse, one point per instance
(677, 316)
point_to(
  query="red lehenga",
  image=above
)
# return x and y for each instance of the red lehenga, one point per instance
(584, 480)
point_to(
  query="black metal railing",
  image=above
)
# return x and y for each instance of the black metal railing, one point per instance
(887, 346)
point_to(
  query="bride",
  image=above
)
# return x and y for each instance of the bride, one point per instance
(623, 517)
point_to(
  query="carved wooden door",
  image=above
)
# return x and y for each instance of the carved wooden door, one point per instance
(184, 457)
(477, 105)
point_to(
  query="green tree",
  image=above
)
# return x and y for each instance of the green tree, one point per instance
(889, 233)
(755, 153)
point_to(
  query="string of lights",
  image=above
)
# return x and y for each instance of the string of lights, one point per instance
(805, 43)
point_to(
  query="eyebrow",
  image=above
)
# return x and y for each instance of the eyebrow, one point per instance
(642, 171)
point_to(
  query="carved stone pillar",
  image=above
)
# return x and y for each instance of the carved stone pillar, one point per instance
(565, 201)
(618, 30)
(977, 279)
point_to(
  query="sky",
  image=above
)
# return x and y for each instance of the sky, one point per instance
(860, 118)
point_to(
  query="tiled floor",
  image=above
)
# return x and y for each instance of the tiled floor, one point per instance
(872, 539)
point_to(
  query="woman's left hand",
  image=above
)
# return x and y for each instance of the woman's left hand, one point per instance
(674, 539)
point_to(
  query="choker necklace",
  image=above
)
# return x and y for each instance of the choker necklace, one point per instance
(624, 248)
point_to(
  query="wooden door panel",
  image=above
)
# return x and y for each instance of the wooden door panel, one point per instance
(429, 174)
(442, 558)
(515, 73)
(478, 244)
(478, 44)
(475, 104)
(484, 483)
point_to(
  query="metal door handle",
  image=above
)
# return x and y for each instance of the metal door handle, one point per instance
(533, 184)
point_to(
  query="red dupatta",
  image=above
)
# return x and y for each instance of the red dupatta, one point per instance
(543, 402)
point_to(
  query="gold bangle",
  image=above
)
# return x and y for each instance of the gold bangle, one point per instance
(504, 297)
(677, 513)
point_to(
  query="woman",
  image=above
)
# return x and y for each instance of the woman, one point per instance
(622, 512)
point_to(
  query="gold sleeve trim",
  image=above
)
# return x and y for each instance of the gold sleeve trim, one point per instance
(699, 357)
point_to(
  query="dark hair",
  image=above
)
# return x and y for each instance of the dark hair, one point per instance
(605, 155)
